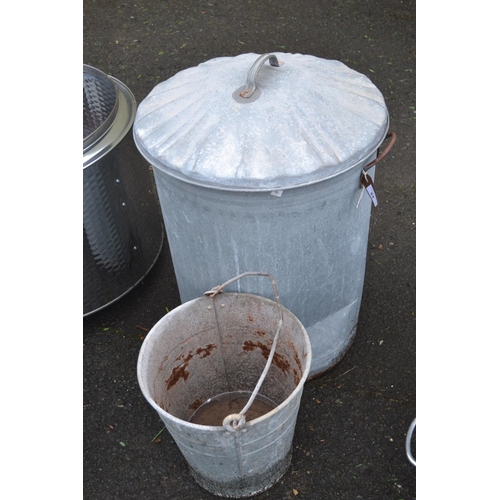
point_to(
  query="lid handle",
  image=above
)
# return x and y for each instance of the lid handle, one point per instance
(254, 71)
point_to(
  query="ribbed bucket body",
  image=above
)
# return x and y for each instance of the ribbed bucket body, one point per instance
(211, 346)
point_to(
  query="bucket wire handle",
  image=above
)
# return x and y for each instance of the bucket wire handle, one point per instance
(236, 421)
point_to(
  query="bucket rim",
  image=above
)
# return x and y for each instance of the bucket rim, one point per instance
(216, 428)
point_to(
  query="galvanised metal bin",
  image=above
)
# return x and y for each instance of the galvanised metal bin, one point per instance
(122, 223)
(262, 166)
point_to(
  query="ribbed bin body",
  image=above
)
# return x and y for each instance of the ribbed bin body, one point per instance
(313, 239)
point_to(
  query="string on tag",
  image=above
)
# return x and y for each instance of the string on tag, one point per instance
(360, 197)
(367, 183)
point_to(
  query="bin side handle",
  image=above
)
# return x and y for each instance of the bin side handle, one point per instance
(384, 153)
(365, 180)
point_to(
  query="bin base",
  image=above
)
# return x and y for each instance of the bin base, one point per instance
(338, 358)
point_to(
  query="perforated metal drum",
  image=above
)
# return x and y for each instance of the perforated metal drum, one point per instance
(122, 226)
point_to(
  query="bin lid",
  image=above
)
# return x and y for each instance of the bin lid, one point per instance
(307, 119)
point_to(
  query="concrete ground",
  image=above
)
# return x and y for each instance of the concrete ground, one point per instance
(349, 440)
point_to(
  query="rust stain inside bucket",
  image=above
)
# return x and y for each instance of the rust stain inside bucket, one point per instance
(177, 373)
(181, 370)
(279, 360)
(216, 409)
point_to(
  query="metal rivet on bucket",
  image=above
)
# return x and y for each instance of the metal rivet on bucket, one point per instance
(254, 350)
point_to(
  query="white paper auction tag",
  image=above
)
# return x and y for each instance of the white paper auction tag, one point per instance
(367, 183)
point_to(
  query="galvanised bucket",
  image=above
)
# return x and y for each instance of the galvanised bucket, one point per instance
(218, 344)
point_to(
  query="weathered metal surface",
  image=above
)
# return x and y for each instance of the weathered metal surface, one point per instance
(209, 346)
(314, 118)
(269, 184)
(312, 239)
